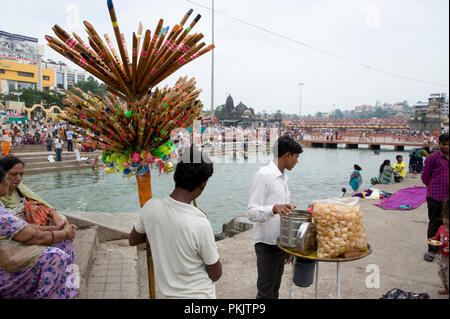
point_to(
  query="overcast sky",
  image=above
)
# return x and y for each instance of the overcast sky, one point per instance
(259, 66)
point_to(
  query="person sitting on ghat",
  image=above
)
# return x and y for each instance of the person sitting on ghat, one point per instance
(399, 169)
(386, 174)
(18, 193)
(35, 260)
(181, 239)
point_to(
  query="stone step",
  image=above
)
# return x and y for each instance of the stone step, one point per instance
(114, 274)
(53, 169)
(31, 156)
(28, 148)
(85, 248)
(47, 164)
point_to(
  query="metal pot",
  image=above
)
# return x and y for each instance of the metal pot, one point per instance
(289, 227)
(306, 238)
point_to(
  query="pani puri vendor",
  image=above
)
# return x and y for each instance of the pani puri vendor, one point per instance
(270, 200)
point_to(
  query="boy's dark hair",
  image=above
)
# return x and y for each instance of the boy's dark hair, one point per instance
(193, 169)
(9, 161)
(443, 138)
(357, 167)
(286, 144)
(445, 208)
(398, 156)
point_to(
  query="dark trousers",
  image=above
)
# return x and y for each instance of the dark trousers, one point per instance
(58, 152)
(435, 217)
(270, 262)
(69, 146)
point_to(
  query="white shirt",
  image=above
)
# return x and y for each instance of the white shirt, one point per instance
(182, 243)
(58, 144)
(269, 187)
(6, 138)
(77, 155)
(69, 135)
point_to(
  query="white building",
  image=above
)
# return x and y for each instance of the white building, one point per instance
(65, 77)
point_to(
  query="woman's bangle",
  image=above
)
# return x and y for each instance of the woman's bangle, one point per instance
(53, 237)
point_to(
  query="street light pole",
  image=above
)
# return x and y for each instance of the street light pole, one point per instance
(212, 68)
(300, 108)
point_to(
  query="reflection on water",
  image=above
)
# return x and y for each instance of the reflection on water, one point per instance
(320, 173)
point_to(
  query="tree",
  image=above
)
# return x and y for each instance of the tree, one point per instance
(32, 96)
(319, 114)
(91, 85)
(219, 112)
(338, 114)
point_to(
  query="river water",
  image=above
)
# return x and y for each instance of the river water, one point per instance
(320, 173)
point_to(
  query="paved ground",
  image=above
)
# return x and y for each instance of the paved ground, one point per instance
(113, 274)
(398, 239)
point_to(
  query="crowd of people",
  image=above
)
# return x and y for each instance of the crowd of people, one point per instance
(54, 134)
(37, 253)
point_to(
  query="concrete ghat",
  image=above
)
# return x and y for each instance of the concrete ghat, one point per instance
(398, 240)
(111, 226)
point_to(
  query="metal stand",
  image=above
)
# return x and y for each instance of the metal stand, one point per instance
(338, 261)
(316, 284)
(338, 280)
(317, 280)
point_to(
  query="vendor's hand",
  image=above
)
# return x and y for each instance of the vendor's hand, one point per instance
(283, 209)
(35, 226)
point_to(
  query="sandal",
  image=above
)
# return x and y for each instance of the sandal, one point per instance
(428, 257)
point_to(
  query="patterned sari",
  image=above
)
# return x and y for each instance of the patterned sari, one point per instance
(34, 271)
(387, 177)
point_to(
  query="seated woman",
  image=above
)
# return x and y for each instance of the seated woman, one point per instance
(35, 260)
(18, 193)
(386, 174)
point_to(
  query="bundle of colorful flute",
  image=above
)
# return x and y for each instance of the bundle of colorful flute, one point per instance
(130, 79)
(135, 133)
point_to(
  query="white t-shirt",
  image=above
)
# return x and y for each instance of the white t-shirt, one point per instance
(58, 144)
(77, 155)
(69, 135)
(182, 243)
(6, 138)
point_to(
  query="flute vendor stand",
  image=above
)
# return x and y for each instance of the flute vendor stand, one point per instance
(145, 193)
(313, 257)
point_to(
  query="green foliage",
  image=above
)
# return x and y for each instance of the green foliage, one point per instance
(91, 85)
(32, 96)
(219, 112)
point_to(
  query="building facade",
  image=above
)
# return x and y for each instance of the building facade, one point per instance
(65, 77)
(22, 66)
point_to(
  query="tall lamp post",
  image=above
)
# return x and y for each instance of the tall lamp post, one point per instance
(300, 108)
(212, 68)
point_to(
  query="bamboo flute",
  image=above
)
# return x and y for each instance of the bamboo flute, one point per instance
(134, 64)
(112, 14)
(148, 52)
(109, 60)
(186, 16)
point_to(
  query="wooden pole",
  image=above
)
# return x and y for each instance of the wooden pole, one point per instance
(145, 193)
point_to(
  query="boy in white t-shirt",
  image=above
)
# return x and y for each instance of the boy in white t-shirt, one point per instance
(181, 239)
(77, 154)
